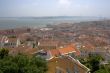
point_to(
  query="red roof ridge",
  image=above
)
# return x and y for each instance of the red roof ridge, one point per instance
(66, 50)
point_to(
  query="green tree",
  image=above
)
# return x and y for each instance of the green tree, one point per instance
(101, 71)
(3, 53)
(22, 64)
(92, 62)
(95, 62)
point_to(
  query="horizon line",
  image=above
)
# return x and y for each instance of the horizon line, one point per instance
(49, 16)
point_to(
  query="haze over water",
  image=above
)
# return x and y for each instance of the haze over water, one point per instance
(12, 22)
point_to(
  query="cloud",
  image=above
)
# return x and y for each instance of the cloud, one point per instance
(65, 3)
(64, 7)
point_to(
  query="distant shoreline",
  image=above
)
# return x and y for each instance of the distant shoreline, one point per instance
(36, 22)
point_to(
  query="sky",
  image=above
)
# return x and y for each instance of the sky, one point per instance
(37, 8)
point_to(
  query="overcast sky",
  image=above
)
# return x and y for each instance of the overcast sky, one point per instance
(19, 8)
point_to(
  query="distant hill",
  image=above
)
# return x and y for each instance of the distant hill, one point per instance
(55, 17)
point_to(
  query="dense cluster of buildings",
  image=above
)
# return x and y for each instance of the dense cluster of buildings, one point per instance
(60, 45)
(56, 52)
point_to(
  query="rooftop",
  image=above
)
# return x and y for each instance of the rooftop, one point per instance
(23, 49)
(64, 51)
(66, 64)
(68, 49)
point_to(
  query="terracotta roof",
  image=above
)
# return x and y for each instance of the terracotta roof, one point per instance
(30, 51)
(19, 49)
(68, 49)
(65, 64)
(22, 49)
(54, 52)
(61, 64)
(48, 43)
(88, 47)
